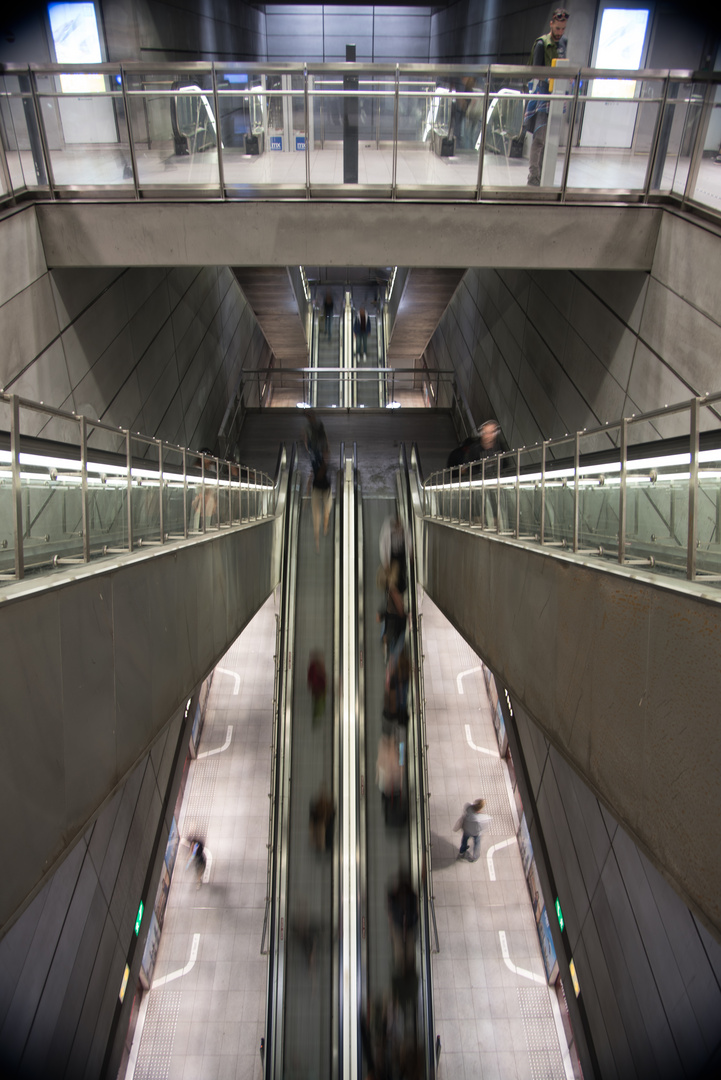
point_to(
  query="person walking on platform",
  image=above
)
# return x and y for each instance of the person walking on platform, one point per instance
(474, 822)
(546, 49)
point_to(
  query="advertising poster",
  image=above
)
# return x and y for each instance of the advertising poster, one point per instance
(534, 888)
(549, 952)
(151, 953)
(161, 897)
(524, 846)
(500, 730)
(171, 848)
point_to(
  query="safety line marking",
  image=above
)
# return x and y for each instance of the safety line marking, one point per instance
(219, 749)
(480, 749)
(181, 971)
(462, 674)
(234, 674)
(512, 967)
(490, 853)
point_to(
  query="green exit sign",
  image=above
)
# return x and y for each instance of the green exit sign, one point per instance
(139, 917)
(561, 923)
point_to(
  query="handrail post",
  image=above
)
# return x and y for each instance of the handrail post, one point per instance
(17, 486)
(483, 494)
(306, 104)
(217, 491)
(394, 165)
(161, 514)
(622, 493)
(576, 465)
(131, 143)
(482, 147)
(218, 140)
(543, 491)
(569, 141)
(185, 494)
(498, 494)
(518, 493)
(470, 495)
(202, 490)
(84, 486)
(129, 466)
(693, 490)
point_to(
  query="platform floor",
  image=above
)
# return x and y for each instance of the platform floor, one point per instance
(494, 1012)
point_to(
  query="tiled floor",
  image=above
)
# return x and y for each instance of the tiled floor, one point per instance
(494, 1012)
(416, 164)
(494, 1016)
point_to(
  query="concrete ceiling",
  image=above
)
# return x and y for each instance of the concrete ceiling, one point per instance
(426, 295)
(270, 294)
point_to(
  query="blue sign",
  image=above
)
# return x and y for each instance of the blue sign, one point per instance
(276, 142)
(300, 142)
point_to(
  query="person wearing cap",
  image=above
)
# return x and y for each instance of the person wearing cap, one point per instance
(546, 49)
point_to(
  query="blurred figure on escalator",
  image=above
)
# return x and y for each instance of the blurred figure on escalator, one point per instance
(328, 312)
(317, 684)
(316, 443)
(395, 545)
(486, 443)
(322, 819)
(361, 327)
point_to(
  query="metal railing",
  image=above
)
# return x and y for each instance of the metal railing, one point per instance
(434, 386)
(213, 131)
(643, 505)
(99, 490)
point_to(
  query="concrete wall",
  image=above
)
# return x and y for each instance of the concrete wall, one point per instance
(62, 963)
(159, 350)
(649, 971)
(501, 32)
(550, 352)
(320, 32)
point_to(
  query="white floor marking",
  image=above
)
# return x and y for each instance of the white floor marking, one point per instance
(182, 971)
(234, 674)
(512, 967)
(469, 740)
(219, 749)
(490, 853)
(462, 674)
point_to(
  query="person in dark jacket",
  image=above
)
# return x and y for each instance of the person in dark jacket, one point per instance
(546, 49)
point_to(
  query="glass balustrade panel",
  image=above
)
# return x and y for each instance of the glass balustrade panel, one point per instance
(243, 125)
(614, 132)
(85, 130)
(657, 510)
(507, 145)
(708, 521)
(21, 134)
(174, 129)
(707, 188)
(437, 121)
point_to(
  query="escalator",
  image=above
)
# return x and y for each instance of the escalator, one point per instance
(343, 981)
(329, 351)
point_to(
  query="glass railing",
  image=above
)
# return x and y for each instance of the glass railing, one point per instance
(648, 505)
(228, 131)
(74, 490)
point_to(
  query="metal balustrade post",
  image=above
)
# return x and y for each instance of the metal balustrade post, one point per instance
(185, 495)
(470, 495)
(483, 494)
(394, 166)
(571, 122)
(160, 492)
(218, 139)
(129, 467)
(217, 491)
(84, 487)
(576, 465)
(306, 109)
(17, 486)
(202, 490)
(131, 141)
(543, 491)
(498, 494)
(482, 147)
(622, 504)
(694, 417)
(518, 493)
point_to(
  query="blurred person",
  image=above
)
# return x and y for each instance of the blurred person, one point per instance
(316, 443)
(395, 693)
(328, 312)
(361, 327)
(197, 860)
(392, 614)
(485, 443)
(322, 820)
(403, 920)
(395, 544)
(473, 822)
(317, 683)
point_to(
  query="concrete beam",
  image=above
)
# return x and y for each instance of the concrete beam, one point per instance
(347, 233)
(622, 676)
(92, 669)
